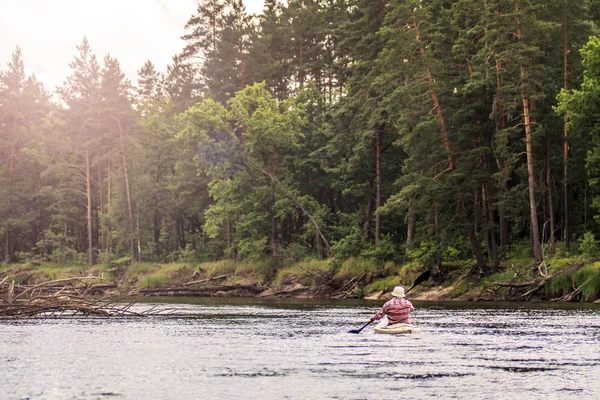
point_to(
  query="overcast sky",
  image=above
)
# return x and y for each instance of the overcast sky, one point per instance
(132, 31)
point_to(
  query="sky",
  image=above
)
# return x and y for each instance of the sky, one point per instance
(132, 31)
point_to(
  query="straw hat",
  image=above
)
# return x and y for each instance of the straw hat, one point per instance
(398, 291)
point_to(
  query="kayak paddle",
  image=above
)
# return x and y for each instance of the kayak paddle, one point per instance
(360, 329)
(420, 279)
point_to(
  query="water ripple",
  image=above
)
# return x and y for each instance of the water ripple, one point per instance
(275, 350)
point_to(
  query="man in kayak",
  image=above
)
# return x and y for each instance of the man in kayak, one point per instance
(397, 309)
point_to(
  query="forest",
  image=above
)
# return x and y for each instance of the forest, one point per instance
(397, 131)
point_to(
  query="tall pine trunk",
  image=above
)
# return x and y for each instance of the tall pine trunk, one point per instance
(128, 191)
(448, 146)
(378, 137)
(88, 180)
(551, 236)
(13, 157)
(368, 210)
(565, 137)
(434, 96)
(501, 125)
(535, 234)
(101, 211)
(273, 222)
(109, 201)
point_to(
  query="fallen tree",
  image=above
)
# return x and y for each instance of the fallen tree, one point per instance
(533, 286)
(63, 297)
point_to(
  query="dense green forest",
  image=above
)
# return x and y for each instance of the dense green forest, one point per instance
(394, 130)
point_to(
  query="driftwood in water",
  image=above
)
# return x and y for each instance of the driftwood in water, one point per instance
(61, 297)
(207, 280)
(203, 291)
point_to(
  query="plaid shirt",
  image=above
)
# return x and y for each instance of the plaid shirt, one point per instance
(397, 310)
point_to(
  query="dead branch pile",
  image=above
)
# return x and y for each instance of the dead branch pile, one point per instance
(61, 298)
(535, 285)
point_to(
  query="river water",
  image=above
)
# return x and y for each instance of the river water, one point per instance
(299, 349)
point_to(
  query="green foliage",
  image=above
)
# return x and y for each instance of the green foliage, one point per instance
(155, 280)
(358, 266)
(558, 264)
(378, 285)
(291, 123)
(425, 253)
(588, 245)
(461, 288)
(60, 249)
(308, 272)
(187, 255)
(385, 250)
(215, 268)
(519, 250)
(590, 278)
(142, 268)
(586, 278)
(349, 246)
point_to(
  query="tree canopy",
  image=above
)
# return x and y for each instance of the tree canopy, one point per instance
(398, 130)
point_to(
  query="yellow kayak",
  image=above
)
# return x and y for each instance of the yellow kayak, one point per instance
(398, 329)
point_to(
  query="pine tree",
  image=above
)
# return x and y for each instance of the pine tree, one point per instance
(81, 94)
(23, 104)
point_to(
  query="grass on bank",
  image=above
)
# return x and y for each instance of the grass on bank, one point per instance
(314, 272)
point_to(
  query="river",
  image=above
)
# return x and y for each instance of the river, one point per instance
(301, 349)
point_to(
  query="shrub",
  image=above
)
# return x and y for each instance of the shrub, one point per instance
(386, 283)
(588, 246)
(424, 253)
(385, 250)
(222, 267)
(308, 272)
(187, 255)
(358, 266)
(588, 278)
(349, 246)
(155, 280)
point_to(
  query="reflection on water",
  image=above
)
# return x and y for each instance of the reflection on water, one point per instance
(298, 349)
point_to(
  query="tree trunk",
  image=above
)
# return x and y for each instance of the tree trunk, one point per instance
(501, 125)
(448, 147)
(228, 233)
(565, 136)
(109, 246)
(474, 243)
(491, 233)
(434, 97)
(273, 222)
(586, 188)
(101, 211)
(128, 191)
(412, 223)
(551, 237)
(13, 156)
(476, 204)
(88, 179)
(137, 222)
(438, 239)
(535, 234)
(378, 138)
(156, 231)
(368, 210)
(301, 55)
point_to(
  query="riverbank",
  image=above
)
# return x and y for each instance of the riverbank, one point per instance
(561, 280)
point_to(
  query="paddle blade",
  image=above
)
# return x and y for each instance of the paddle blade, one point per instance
(420, 279)
(360, 329)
